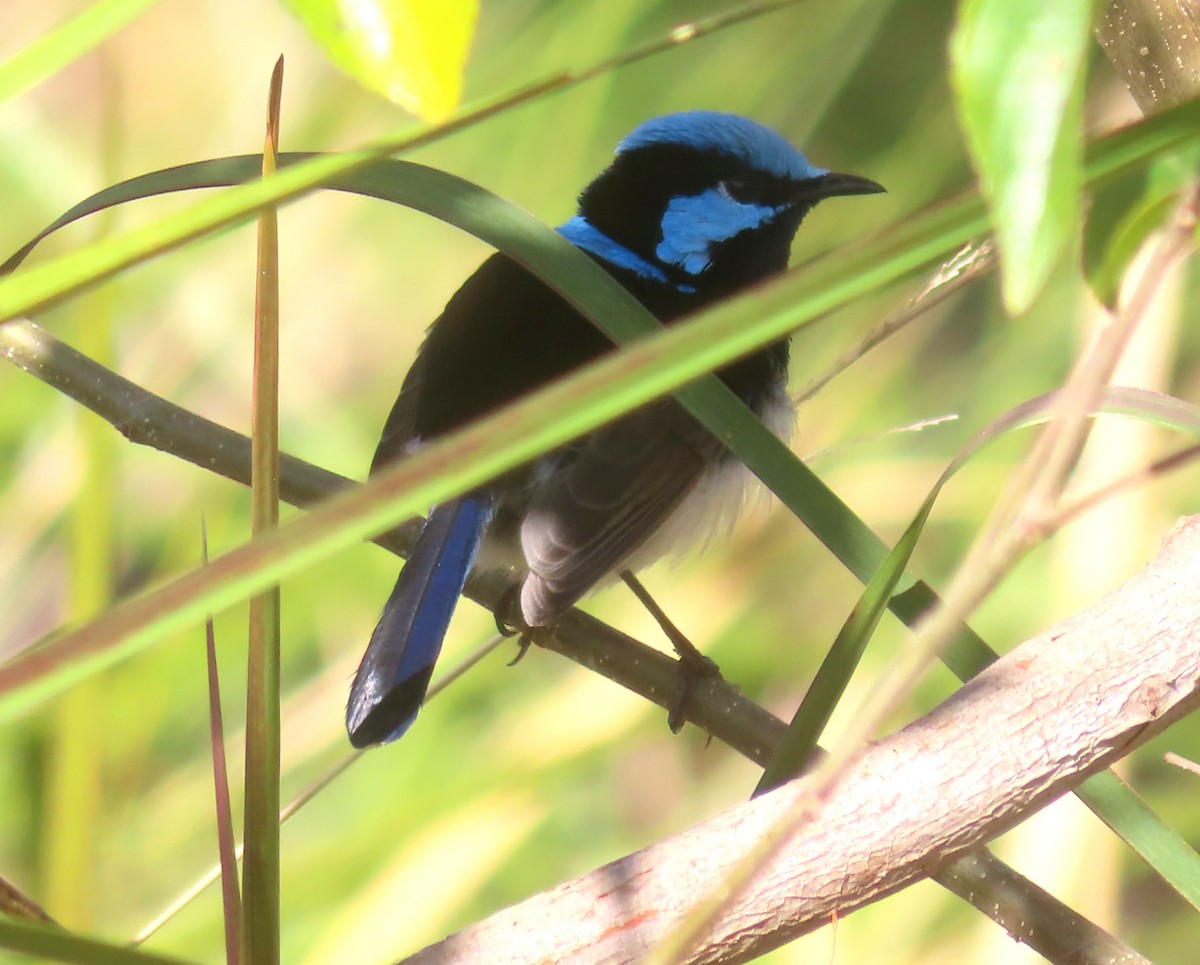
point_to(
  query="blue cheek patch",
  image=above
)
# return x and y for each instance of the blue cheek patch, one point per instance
(580, 232)
(692, 225)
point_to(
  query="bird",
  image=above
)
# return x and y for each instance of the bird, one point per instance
(694, 207)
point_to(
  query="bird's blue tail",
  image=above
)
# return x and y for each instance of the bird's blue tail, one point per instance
(395, 671)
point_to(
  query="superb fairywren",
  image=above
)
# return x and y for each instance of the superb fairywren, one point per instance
(694, 207)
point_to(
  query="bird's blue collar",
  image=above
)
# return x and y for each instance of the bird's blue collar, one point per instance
(582, 234)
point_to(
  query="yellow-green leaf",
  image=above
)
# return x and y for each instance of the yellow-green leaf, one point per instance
(413, 52)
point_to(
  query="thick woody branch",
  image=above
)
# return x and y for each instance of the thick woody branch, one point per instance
(1026, 731)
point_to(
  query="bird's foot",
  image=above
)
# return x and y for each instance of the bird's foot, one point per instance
(523, 643)
(509, 626)
(506, 629)
(693, 665)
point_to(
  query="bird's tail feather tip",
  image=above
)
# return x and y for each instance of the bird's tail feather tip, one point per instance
(396, 669)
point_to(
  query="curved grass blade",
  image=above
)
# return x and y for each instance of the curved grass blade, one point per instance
(651, 367)
(51, 943)
(66, 43)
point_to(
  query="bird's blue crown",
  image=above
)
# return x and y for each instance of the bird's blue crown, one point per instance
(730, 134)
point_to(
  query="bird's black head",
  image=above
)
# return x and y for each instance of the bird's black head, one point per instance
(702, 200)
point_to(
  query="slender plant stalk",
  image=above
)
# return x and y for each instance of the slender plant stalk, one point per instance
(231, 898)
(260, 885)
(74, 784)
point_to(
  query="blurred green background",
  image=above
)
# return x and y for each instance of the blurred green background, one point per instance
(514, 779)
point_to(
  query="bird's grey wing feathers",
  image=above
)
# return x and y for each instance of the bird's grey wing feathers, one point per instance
(609, 492)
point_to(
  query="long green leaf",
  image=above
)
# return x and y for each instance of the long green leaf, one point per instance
(1173, 858)
(655, 365)
(260, 866)
(50, 943)
(66, 43)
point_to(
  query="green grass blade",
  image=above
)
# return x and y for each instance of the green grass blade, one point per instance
(66, 43)
(653, 366)
(1118, 806)
(799, 744)
(50, 943)
(260, 868)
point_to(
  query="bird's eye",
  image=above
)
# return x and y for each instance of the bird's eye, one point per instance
(738, 189)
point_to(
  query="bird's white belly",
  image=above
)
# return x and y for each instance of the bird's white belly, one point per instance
(714, 505)
(710, 509)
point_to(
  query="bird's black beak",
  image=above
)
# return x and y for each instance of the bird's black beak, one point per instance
(833, 185)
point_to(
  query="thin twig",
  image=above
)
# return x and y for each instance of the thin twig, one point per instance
(1182, 763)
(14, 903)
(1160, 467)
(970, 263)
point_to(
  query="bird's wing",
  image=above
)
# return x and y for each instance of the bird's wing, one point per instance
(400, 429)
(604, 499)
